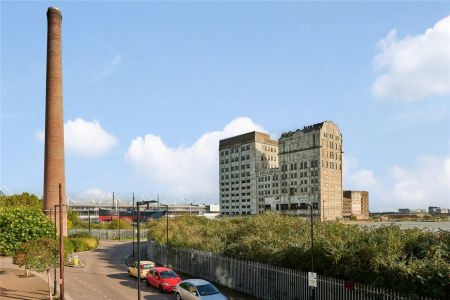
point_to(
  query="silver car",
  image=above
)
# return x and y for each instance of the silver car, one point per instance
(193, 289)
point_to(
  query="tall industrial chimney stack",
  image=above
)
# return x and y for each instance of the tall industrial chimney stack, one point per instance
(54, 120)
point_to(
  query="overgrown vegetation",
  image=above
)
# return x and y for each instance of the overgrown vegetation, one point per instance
(409, 260)
(81, 242)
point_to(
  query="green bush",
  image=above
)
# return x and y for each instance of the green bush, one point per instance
(19, 225)
(79, 244)
(409, 260)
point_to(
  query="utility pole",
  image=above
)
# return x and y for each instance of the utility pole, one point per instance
(138, 266)
(134, 220)
(118, 219)
(61, 246)
(89, 218)
(54, 275)
(167, 225)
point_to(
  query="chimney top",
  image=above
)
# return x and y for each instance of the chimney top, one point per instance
(54, 11)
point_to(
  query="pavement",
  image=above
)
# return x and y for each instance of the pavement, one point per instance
(104, 276)
(15, 285)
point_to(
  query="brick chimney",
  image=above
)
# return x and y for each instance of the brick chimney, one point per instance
(54, 119)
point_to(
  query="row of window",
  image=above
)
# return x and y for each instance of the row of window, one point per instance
(235, 188)
(247, 166)
(234, 195)
(301, 165)
(268, 157)
(292, 206)
(234, 159)
(234, 150)
(243, 174)
(237, 201)
(295, 190)
(332, 165)
(331, 136)
(270, 148)
(334, 155)
(235, 182)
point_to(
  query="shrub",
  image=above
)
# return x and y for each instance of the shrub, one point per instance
(80, 244)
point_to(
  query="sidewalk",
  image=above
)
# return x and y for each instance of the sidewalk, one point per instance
(15, 285)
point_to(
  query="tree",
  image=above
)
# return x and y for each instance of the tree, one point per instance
(21, 200)
(19, 225)
(40, 255)
(73, 220)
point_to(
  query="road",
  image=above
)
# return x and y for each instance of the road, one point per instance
(105, 277)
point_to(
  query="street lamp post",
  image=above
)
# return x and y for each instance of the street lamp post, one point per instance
(313, 290)
(133, 223)
(89, 220)
(138, 266)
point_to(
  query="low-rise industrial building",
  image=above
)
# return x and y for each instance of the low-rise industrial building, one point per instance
(355, 204)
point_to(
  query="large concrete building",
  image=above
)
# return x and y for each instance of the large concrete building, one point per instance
(242, 158)
(305, 166)
(356, 205)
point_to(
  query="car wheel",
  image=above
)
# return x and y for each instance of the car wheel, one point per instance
(161, 289)
(147, 283)
(178, 296)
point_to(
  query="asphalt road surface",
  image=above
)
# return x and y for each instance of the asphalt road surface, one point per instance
(105, 277)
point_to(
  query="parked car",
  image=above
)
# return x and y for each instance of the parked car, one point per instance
(164, 279)
(193, 289)
(145, 266)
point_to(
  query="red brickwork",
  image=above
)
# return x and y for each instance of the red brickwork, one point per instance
(54, 118)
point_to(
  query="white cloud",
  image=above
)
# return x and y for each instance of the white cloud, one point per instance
(185, 171)
(416, 66)
(428, 183)
(357, 178)
(84, 138)
(425, 184)
(96, 195)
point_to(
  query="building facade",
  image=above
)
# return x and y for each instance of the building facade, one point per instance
(356, 204)
(305, 166)
(241, 158)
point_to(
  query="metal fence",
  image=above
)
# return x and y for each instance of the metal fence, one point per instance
(262, 280)
(110, 234)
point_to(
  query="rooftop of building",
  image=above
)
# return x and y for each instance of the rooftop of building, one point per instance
(245, 138)
(307, 128)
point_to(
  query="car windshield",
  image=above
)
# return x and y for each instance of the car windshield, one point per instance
(147, 266)
(168, 274)
(207, 289)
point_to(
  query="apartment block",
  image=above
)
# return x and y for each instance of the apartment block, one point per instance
(356, 204)
(241, 159)
(305, 166)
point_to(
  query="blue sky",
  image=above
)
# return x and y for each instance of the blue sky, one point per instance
(151, 86)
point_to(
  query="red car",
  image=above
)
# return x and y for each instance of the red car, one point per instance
(163, 278)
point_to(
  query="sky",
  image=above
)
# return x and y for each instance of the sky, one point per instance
(151, 87)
